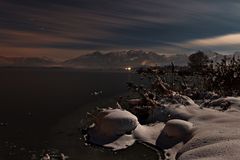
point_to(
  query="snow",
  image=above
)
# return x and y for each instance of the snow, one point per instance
(184, 130)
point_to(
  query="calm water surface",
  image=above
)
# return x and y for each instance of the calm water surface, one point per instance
(44, 109)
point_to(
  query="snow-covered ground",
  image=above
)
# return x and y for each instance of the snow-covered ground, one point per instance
(183, 130)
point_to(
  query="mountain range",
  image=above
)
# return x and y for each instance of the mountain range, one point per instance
(110, 60)
(132, 58)
(25, 61)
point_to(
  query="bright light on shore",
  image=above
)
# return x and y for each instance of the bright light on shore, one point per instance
(128, 68)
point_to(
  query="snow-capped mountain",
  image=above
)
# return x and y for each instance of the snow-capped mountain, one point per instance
(133, 58)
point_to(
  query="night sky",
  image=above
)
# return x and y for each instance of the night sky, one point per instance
(66, 28)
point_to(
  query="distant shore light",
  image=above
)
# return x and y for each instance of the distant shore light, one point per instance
(128, 68)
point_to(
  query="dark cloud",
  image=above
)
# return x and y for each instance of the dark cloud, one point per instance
(107, 25)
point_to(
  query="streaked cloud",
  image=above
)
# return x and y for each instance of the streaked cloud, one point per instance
(224, 43)
(81, 26)
(225, 40)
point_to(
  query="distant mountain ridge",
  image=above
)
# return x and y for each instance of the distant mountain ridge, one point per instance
(121, 59)
(110, 60)
(25, 61)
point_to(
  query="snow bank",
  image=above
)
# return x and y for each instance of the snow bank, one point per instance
(111, 128)
(182, 129)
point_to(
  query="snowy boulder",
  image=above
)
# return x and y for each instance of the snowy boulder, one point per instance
(178, 129)
(118, 129)
(113, 127)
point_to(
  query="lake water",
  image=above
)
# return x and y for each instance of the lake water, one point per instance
(44, 109)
